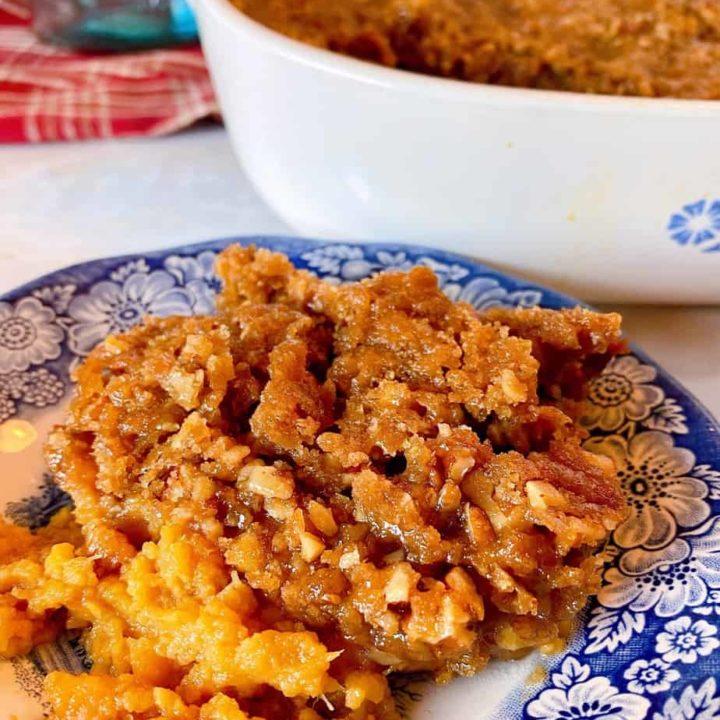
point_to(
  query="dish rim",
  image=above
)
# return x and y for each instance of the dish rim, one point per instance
(448, 89)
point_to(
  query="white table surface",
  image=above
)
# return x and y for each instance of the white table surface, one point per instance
(65, 203)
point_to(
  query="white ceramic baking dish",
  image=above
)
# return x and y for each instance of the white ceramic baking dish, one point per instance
(614, 199)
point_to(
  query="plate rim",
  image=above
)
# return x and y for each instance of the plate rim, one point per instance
(704, 427)
(55, 276)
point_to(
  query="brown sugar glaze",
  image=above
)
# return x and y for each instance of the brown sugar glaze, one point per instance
(282, 503)
(651, 48)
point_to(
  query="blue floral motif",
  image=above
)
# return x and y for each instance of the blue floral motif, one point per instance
(29, 334)
(648, 648)
(56, 296)
(697, 224)
(115, 306)
(624, 392)
(66, 653)
(486, 292)
(656, 508)
(7, 407)
(577, 695)
(198, 275)
(609, 628)
(348, 263)
(669, 580)
(685, 641)
(330, 259)
(40, 388)
(122, 273)
(407, 689)
(711, 477)
(650, 676)
(711, 606)
(36, 511)
(700, 704)
(446, 272)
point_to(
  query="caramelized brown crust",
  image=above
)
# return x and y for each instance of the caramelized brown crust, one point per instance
(651, 48)
(371, 463)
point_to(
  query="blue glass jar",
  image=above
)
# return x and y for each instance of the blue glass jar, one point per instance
(114, 24)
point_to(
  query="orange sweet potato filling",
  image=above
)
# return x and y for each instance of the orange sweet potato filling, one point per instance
(278, 505)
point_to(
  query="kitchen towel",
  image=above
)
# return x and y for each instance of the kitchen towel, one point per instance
(49, 93)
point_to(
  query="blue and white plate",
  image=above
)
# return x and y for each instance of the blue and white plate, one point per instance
(648, 648)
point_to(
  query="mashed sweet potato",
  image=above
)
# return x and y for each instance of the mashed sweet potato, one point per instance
(278, 505)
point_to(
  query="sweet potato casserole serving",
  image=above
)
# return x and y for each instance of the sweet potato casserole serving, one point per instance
(279, 505)
(619, 47)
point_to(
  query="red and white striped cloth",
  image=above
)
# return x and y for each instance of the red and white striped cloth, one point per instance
(49, 93)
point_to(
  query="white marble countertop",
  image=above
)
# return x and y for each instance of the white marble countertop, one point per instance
(65, 203)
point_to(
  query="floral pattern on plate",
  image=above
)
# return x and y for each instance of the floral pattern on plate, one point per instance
(700, 704)
(575, 693)
(656, 479)
(28, 334)
(648, 647)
